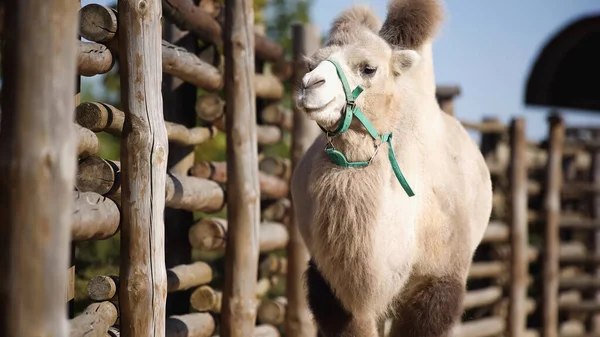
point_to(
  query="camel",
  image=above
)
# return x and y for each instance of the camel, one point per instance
(394, 196)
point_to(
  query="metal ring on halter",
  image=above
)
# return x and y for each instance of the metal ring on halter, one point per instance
(377, 146)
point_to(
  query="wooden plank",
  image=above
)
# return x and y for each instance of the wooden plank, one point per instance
(299, 323)
(37, 165)
(519, 241)
(144, 150)
(243, 198)
(550, 263)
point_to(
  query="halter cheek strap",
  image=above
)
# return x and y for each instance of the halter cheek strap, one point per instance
(350, 111)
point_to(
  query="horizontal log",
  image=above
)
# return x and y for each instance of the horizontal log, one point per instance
(189, 17)
(272, 311)
(113, 332)
(495, 232)
(196, 324)
(94, 217)
(484, 327)
(263, 285)
(186, 276)
(486, 127)
(580, 283)
(97, 175)
(571, 328)
(93, 59)
(276, 114)
(206, 299)
(87, 142)
(99, 117)
(584, 306)
(579, 222)
(182, 192)
(502, 252)
(482, 297)
(265, 134)
(94, 320)
(487, 269)
(103, 288)
(180, 277)
(277, 210)
(273, 265)
(98, 23)
(210, 107)
(211, 234)
(283, 69)
(277, 166)
(270, 187)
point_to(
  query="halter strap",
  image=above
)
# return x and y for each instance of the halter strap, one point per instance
(351, 110)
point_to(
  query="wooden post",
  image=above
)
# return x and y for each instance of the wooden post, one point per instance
(37, 165)
(144, 151)
(306, 41)
(179, 102)
(551, 233)
(243, 197)
(595, 213)
(516, 320)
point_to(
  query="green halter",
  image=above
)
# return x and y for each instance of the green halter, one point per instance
(351, 110)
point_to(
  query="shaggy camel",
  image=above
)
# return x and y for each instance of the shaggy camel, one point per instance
(391, 230)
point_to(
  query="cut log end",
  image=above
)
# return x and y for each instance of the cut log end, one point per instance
(98, 23)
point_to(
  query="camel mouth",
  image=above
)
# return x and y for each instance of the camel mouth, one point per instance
(311, 110)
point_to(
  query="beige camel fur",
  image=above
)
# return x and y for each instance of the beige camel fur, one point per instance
(375, 250)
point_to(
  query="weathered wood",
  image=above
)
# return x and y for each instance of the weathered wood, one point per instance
(210, 107)
(243, 191)
(273, 265)
(144, 150)
(37, 165)
(496, 232)
(519, 263)
(97, 175)
(277, 210)
(272, 311)
(271, 187)
(87, 142)
(94, 217)
(579, 282)
(277, 166)
(268, 86)
(190, 17)
(305, 41)
(205, 298)
(482, 297)
(181, 277)
(93, 59)
(94, 321)
(276, 114)
(194, 194)
(104, 117)
(550, 261)
(103, 288)
(186, 276)
(490, 326)
(213, 234)
(263, 285)
(98, 23)
(196, 324)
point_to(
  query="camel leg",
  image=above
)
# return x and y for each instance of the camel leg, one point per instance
(429, 308)
(331, 317)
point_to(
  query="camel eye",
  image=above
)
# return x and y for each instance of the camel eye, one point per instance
(369, 70)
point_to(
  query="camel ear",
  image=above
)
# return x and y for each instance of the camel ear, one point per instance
(403, 60)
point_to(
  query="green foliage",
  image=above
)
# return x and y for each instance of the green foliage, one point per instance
(283, 14)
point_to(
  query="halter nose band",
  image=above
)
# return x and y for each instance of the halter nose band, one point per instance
(350, 111)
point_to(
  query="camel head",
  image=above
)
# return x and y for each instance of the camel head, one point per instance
(354, 51)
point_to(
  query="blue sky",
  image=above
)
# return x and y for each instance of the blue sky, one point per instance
(487, 47)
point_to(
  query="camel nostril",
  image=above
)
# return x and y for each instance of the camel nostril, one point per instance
(314, 82)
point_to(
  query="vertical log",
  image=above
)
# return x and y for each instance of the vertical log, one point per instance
(243, 197)
(518, 230)
(37, 165)
(144, 151)
(298, 321)
(179, 102)
(551, 235)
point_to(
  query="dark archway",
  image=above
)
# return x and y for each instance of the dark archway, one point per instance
(566, 73)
